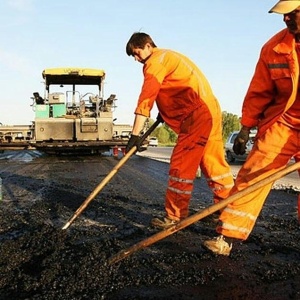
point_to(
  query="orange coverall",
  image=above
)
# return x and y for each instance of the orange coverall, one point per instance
(187, 105)
(272, 103)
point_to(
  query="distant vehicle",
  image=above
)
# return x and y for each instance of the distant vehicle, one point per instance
(153, 141)
(230, 155)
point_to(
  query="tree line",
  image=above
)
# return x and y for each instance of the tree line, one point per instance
(167, 136)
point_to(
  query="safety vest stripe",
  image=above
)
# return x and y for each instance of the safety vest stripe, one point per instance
(180, 179)
(278, 66)
(219, 177)
(177, 191)
(240, 213)
(235, 228)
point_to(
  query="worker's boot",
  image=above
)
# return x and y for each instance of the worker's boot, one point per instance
(163, 223)
(218, 245)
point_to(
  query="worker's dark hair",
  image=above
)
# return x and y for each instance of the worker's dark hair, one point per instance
(138, 40)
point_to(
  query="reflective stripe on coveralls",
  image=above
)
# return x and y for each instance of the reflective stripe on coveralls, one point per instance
(175, 190)
(218, 178)
(179, 191)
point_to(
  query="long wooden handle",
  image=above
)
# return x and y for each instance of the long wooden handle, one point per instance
(101, 185)
(202, 214)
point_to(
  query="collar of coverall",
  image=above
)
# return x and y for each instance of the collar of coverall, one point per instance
(154, 49)
(285, 6)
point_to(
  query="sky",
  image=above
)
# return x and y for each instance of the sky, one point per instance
(223, 37)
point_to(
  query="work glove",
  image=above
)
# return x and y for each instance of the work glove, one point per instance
(239, 144)
(134, 140)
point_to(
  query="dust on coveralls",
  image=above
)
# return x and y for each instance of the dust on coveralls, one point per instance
(187, 105)
(272, 104)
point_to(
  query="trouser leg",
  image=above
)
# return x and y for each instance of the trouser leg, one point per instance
(216, 169)
(185, 161)
(270, 153)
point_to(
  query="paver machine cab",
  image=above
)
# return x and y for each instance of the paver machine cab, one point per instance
(76, 118)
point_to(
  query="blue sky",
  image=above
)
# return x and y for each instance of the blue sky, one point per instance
(223, 38)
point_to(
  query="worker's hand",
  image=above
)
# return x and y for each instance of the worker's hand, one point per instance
(239, 144)
(134, 140)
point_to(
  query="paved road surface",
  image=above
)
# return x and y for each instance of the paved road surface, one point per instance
(164, 153)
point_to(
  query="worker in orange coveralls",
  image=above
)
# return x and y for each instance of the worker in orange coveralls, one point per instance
(272, 103)
(187, 105)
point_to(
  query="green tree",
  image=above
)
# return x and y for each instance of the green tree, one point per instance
(172, 134)
(164, 133)
(230, 122)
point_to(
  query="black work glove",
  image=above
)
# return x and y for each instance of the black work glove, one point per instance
(239, 144)
(134, 140)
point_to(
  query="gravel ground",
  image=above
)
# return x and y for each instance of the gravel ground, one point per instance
(39, 260)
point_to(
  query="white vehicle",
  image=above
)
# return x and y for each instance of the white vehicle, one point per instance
(153, 141)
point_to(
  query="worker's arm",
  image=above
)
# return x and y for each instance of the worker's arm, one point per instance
(138, 124)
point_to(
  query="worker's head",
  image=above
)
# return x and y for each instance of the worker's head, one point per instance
(140, 46)
(290, 9)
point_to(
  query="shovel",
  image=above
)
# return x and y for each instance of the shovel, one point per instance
(201, 214)
(101, 185)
